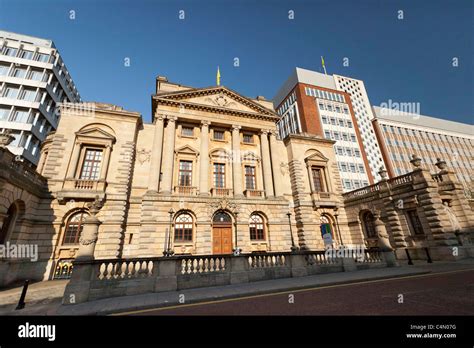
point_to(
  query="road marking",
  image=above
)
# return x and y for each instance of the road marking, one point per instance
(287, 292)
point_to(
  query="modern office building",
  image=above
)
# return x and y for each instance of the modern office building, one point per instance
(310, 102)
(402, 134)
(33, 82)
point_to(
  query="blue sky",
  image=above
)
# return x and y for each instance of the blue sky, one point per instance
(407, 60)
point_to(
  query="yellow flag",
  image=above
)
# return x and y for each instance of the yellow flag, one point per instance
(324, 66)
(218, 77)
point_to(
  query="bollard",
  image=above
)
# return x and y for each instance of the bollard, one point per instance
(428, 256)
(410, 262)
(21, 303)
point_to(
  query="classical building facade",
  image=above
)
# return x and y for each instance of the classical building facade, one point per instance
(207, 176)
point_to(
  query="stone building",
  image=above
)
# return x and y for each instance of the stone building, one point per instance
(208, 176)
(426, 216)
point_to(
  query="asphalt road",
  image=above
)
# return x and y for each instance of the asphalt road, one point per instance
(448, 293)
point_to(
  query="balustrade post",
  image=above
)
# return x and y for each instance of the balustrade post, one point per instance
(239, 269)
(349, 264)
(298, 265)
(167, 270)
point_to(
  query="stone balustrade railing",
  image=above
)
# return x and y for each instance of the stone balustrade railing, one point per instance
(400, 180)
(96, 279)
(362, 191)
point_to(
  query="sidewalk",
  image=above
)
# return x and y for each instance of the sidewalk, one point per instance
(52, 304)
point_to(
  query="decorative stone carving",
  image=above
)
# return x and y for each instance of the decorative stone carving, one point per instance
(6, 138)
(221, 100)
(441, 164)
(383, 173)
(95, 206)
(384, 241)
(415, 161)
(223, 204)
(284, 168)
(143, 156)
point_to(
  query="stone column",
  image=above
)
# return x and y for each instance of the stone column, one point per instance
(105, 163)
(276, 171)
(204, 159)
(154, 178)
(74, 160)
(266, 164)
(168, 156)
(236, 161)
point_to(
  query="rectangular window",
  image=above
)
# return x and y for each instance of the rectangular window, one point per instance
(345, 136)
(4, 69)
(333, 121)
(356, 153)
(185, 173)
(250, 178)
(91, 165)
(329, 107)
(11, 92)
(317, 179)
(349, 124)
(10, 51)
(344, 167)
(321, 106)
(327, 134)
(19, 72)
(187, 131)
(218, 135)
(26, 55)
(361, 168)
(325, 119)
(248, 138)
(415, 223)
(4, 112)
(219, 175)
(29, 95)
(353, 168)
(20, 116)
(43, 57)
(353, 138)
(341, 123)
(36, 75)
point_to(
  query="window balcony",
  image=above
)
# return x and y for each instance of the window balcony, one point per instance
(185, 190)
(254, 193)
(220, 192)
(82, 189)
(324, 199)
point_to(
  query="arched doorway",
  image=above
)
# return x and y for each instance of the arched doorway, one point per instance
(8, 223)
(222, 233)
(327, 230)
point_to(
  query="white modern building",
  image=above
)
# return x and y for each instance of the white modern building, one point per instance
(310, 102)
(364, 116)
(402, 134)
(33, 81)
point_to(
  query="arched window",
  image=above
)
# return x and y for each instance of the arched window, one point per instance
(256, 227)
(8, 223)
(74, 228)
(369, 226)
(183, 228)
(222, 217)
(326, 227)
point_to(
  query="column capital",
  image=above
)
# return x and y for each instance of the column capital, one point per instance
(236, 127)
(265, 132)
(172, 118)
(159, 117)
(205, 123)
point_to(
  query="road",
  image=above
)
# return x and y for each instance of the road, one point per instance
(446, 293)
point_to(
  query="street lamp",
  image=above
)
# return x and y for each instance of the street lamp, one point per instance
(169, 252)
(293, 246)
(236, 250)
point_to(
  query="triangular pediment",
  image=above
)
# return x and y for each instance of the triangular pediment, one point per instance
(95, 133)
(317, 156)
(221, 98)
(188, 150)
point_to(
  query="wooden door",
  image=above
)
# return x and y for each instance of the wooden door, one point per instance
(222, 240)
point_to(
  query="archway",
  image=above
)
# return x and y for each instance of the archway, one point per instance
(8, 223)
(327, 230)
(221, 233)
